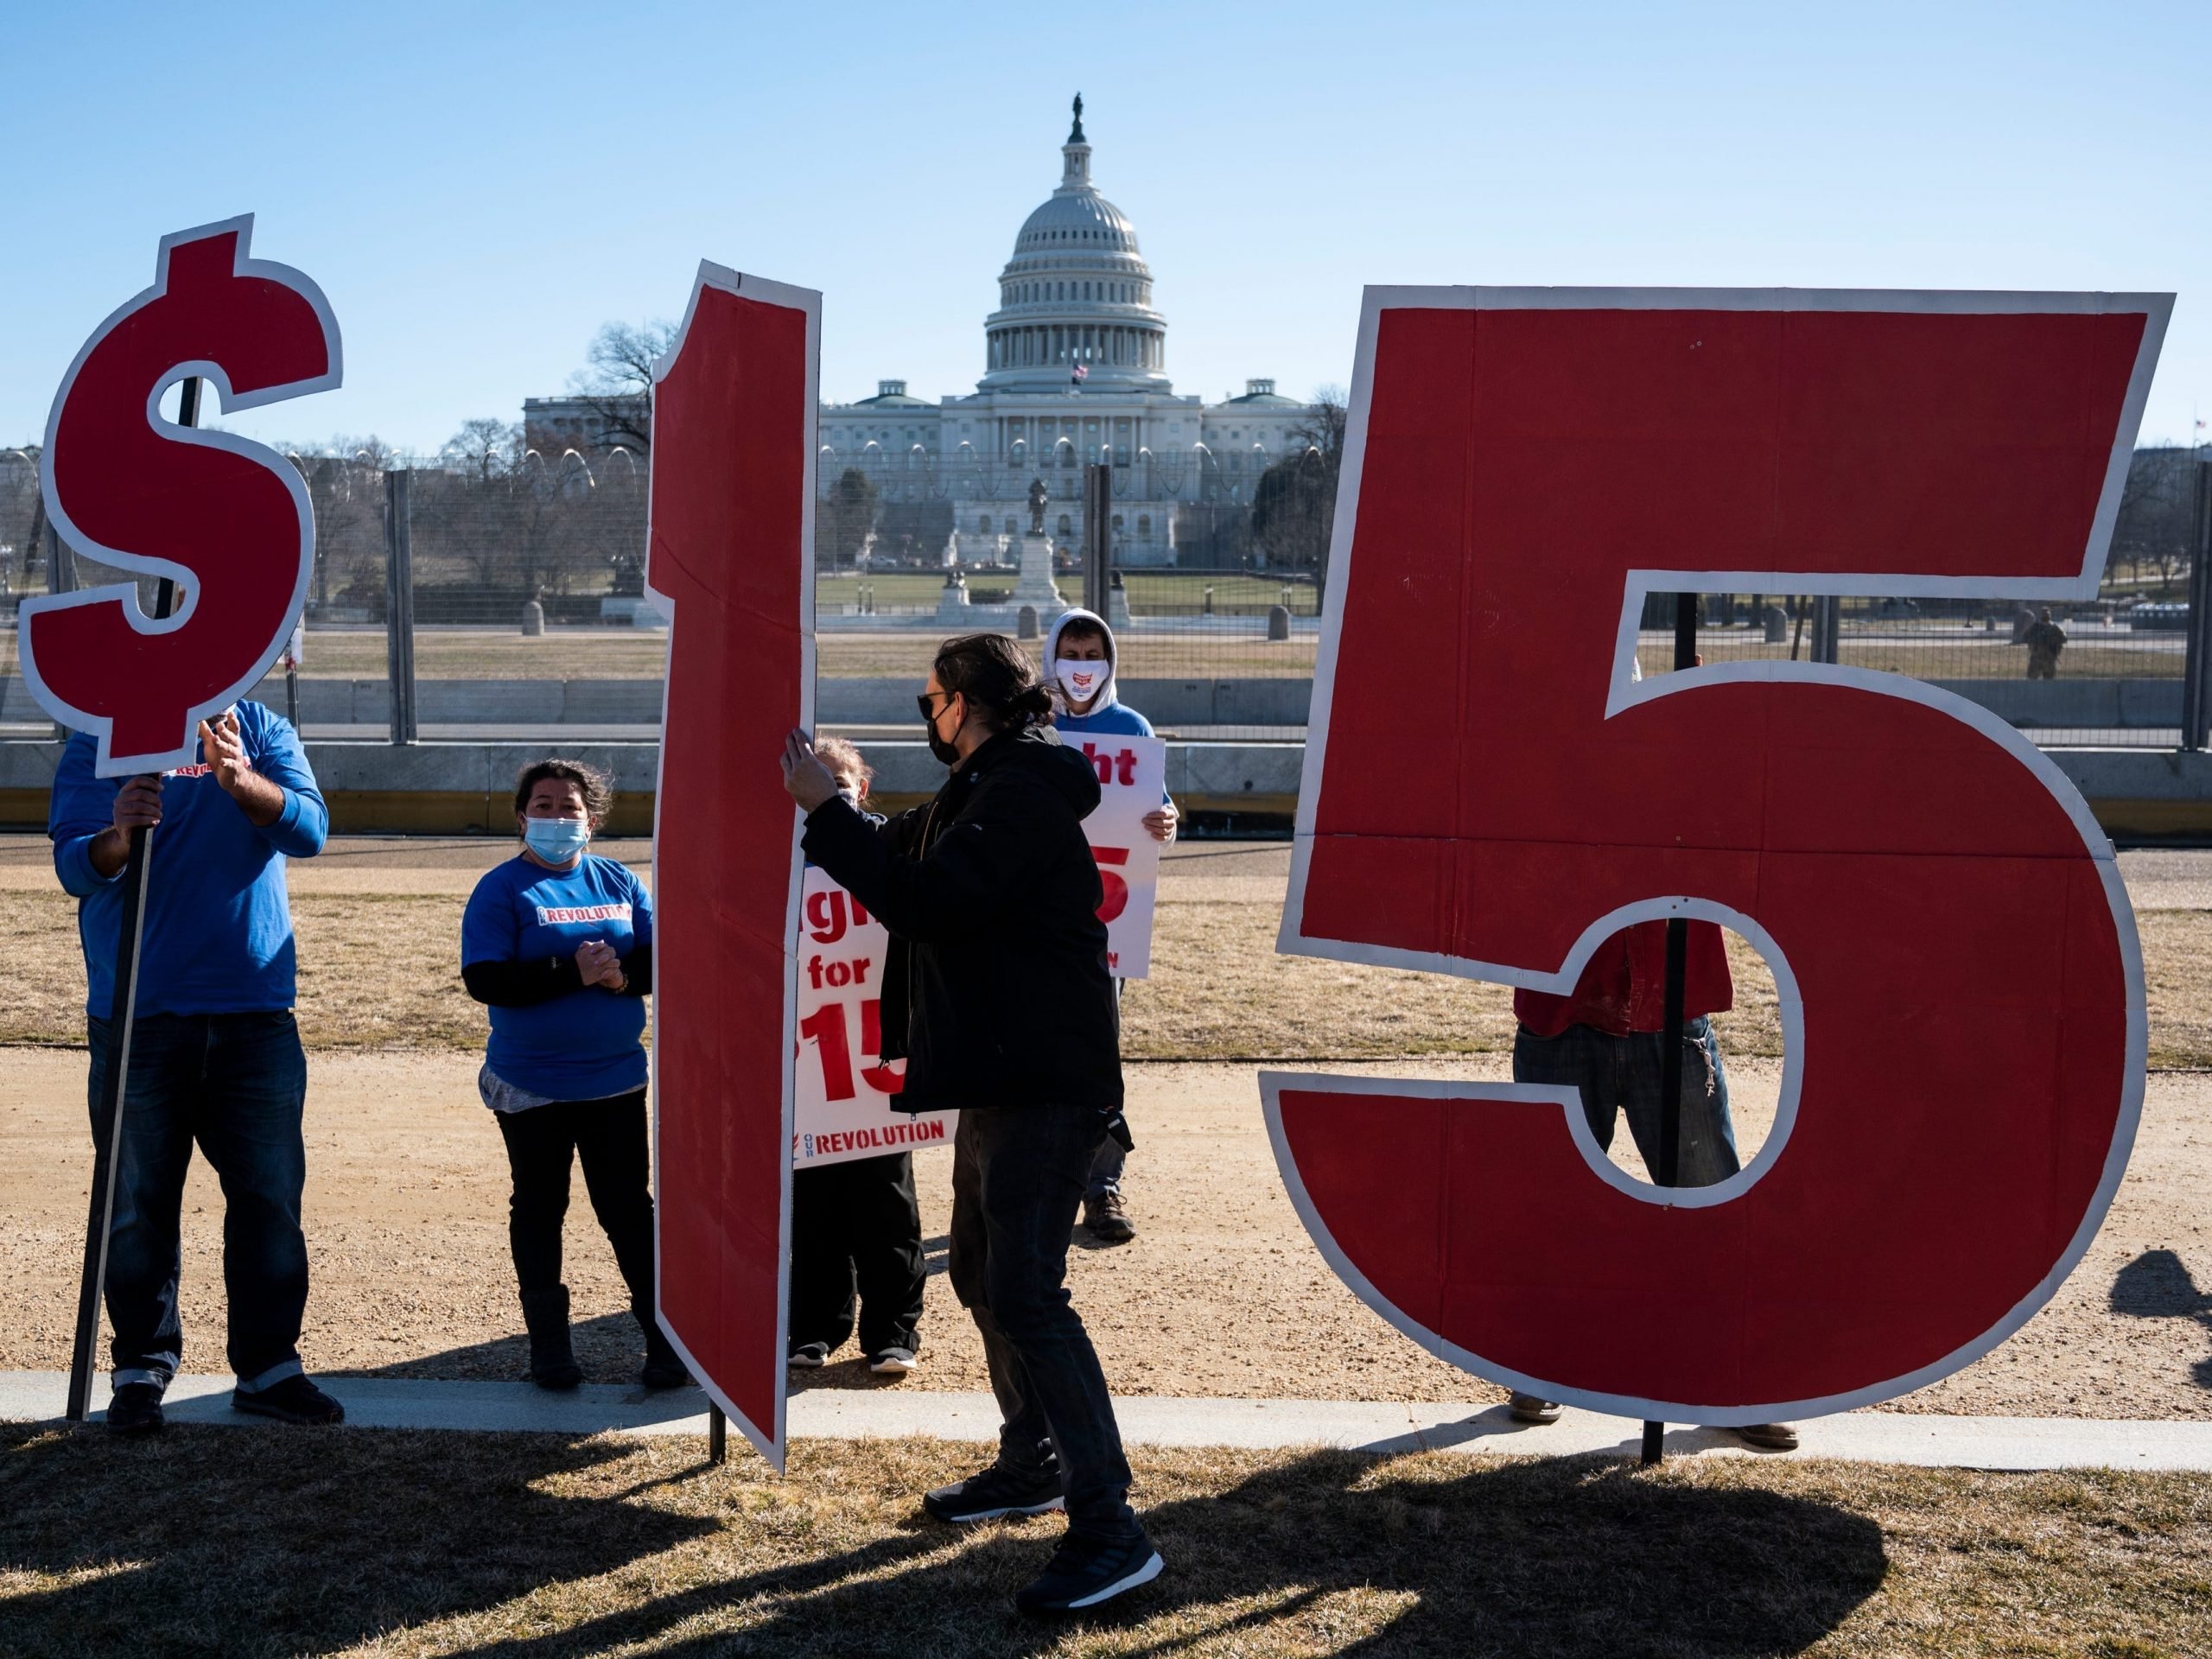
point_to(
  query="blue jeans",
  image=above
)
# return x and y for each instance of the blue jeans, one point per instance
(1018, 1174)
(236, 1084)
(1617, 1075)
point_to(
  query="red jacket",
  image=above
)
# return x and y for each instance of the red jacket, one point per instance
(1623, 986)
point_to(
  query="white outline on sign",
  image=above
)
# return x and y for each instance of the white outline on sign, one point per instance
(1626, 692)
(771, 1443)
(126, 595)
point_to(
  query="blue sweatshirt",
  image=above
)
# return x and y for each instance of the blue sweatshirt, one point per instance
(218, 925)
(582, 1045)
(1116, 718)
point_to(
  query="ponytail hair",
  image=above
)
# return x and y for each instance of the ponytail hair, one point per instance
(995, 676)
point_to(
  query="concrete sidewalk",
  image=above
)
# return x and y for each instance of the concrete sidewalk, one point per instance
(840, 1414)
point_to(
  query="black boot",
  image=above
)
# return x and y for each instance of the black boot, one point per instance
(552, 1361)
(664, 1366)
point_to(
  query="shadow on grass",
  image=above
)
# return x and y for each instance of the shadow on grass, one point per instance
(1573, 1557)
(204, 1541)
(220, 1540)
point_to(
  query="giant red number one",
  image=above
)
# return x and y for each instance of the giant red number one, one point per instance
(1961, 988)
(732, 561)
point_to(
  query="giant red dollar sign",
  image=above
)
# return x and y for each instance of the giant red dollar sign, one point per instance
(228, 520)
(1962, 994)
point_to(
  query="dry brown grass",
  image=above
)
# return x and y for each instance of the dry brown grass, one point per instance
(612, 654)
(276, 1543)
(381, 970)
(1940, 657)
(376, 971)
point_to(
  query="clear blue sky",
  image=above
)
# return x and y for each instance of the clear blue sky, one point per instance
(478, 188)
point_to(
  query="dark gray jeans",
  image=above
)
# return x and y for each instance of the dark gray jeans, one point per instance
(1018, 1177)
(1620, 1075)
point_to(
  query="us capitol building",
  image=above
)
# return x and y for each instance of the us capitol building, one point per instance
(1074, 371)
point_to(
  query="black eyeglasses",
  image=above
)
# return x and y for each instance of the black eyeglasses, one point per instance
(922, 703)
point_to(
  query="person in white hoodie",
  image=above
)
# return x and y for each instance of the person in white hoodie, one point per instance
(1079, 670)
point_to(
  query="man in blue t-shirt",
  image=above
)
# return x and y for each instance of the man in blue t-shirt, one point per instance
(215, 1057)
(1079, 669)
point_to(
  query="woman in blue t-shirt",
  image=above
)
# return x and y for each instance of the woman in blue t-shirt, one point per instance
(558, 944)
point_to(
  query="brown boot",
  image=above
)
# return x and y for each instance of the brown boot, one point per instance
(1768, 1437)
(1108, 1222)
(1526, 1409)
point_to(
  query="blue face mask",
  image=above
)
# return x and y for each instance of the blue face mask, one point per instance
(556, 840)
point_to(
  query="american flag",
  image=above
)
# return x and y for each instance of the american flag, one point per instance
(1080, 373)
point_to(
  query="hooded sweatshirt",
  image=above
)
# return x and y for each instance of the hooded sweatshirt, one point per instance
(996, 992)
(1107, 712)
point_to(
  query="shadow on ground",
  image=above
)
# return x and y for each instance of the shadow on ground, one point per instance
(312, 1543)
(1563, 1558)
(610, 1348)
(223, 1540)
(2157, 1285)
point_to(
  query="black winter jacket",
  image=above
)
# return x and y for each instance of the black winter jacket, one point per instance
(998, 993)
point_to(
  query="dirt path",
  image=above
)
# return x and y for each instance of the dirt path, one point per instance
(1222, 1292)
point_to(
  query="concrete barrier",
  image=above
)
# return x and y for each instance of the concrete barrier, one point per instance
(2039, 705)
(462, 788)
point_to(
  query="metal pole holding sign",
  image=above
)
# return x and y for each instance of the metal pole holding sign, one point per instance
(115, 1076)
(2196, 693)
(1098, 536)
(399, 605)
(1674, 1018)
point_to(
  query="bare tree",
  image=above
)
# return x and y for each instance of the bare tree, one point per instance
(2158, 512)
(616, 384)
(1294, 503)
(487, 446)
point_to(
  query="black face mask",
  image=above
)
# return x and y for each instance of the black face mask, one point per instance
(943, 751)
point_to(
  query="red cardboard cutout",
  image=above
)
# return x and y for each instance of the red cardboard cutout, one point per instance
(229, 521)
(731, 563)
(1961, 992)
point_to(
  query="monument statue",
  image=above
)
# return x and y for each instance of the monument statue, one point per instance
(1038, 495)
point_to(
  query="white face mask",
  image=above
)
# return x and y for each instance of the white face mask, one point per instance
(1080, 680)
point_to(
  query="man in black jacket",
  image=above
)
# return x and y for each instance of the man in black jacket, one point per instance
(998, 998)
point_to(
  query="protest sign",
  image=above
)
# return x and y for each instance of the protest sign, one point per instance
(226, 521)
(731, 564)
(1132, 781)
(1959, 986)
(846, 1099)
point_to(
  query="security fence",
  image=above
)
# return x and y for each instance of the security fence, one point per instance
(491, 596)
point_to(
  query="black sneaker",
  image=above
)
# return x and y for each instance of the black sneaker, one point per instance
(295, 1400)
(997, 1491)
(892, 1362)
(136, 1410)
(809, 1355)
(1085, 1571)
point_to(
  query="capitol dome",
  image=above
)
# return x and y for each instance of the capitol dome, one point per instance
(1077, 291)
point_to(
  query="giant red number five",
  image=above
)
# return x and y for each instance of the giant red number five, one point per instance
(1961, 991)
